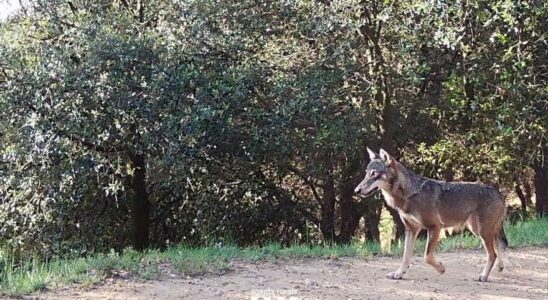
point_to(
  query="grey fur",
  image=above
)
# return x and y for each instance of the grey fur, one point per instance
(425, 203)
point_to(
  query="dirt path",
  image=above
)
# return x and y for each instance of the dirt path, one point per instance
(525, 277)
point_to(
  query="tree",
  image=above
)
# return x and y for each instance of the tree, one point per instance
(247, 121)
(92, 87)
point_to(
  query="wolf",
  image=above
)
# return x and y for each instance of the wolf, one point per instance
(430, 204)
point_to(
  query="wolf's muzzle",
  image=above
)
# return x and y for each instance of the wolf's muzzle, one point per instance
(371, 192)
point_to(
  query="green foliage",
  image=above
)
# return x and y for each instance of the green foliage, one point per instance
(527, 233)
(251, 117)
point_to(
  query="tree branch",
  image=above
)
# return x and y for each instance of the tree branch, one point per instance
(303, 211)
(141, 10)
(285, 197)
(72, 7)
(91, 145)
(125, 3)
(78, 139)
(307, 182)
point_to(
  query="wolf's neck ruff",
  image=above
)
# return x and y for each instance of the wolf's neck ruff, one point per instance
(401, 186)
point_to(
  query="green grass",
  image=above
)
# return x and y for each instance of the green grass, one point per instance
(18, 278)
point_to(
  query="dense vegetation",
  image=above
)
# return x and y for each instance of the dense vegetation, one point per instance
(147, 123)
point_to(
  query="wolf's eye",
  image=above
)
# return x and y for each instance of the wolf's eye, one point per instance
(374, 173)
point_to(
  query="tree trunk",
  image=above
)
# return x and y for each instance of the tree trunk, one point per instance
(372, 219)
(327, 224)
(350, 214)
(387, 124)
(528, 192)
(521, 196)
(469, 93)
(388, 144)
(141, 206)
(541, 188)
(371, 30)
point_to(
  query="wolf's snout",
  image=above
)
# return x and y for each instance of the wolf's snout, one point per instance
(357, 190)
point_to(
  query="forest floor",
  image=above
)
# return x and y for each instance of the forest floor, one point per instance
(525, 277)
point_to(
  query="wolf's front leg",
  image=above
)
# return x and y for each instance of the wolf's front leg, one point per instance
(410, 236)
(432, 242)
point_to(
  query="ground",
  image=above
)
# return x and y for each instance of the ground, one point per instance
(525, 277)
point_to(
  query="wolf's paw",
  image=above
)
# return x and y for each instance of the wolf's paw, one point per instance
(395, 275)
(440, 268)
(482, 278)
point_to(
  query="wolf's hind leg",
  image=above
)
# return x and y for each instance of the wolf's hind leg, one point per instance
(501, 243)
(488, 240)
(473, 225)
(499, 251)
(433, 237)
(410, 237)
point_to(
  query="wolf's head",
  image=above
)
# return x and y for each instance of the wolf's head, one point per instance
(381, 173)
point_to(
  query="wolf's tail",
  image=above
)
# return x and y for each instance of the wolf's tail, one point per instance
(503, 241)
(501, 244)
(502, 238)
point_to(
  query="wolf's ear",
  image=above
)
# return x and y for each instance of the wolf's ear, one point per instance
(372, 155)
(389, 160)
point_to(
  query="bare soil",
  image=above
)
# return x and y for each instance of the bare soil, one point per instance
(525, 277)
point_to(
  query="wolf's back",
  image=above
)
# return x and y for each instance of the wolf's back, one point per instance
(472, 189)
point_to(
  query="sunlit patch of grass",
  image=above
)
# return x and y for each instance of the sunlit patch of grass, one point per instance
(528, 233)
